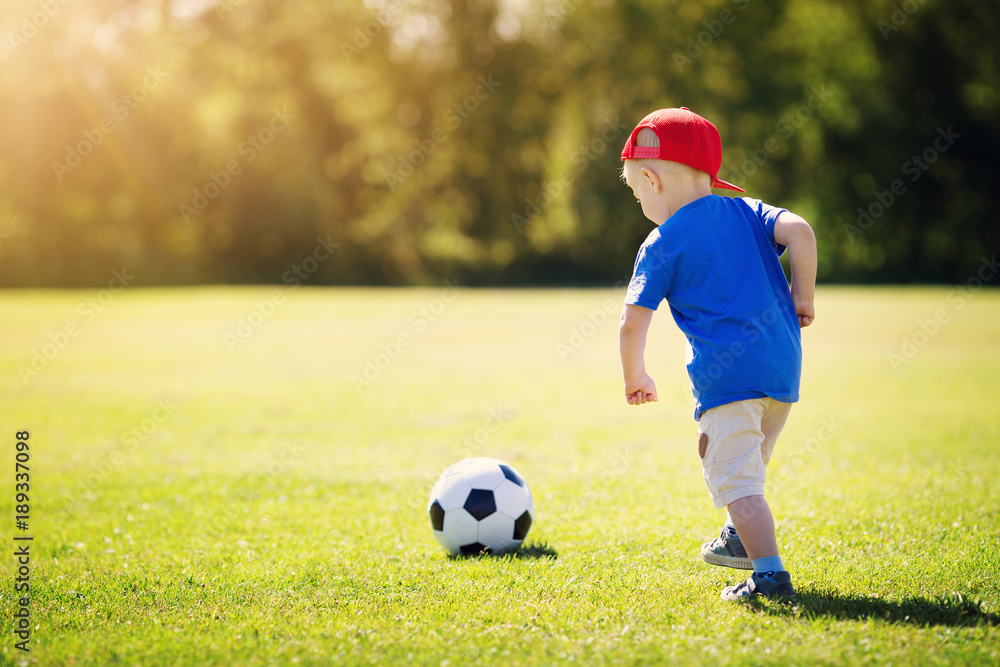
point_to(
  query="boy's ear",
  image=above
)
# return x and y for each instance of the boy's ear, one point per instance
(655, 184)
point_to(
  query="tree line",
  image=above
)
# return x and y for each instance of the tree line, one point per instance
(226, 141)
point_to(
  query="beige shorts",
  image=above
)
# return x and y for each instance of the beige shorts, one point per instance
(735, 442)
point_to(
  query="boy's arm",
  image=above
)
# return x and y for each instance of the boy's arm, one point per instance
(639, 387)
(792, 231)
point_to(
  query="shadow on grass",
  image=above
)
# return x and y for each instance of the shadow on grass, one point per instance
(536, 551)
(952, 610)
(530, 552)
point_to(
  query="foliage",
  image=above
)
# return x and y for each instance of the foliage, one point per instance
(480, 137)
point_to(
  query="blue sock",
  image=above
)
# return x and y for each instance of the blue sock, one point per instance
(768, 564)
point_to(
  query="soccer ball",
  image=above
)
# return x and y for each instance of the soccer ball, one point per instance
(480, 505)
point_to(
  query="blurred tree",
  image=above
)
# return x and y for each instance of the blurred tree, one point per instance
(222, 140)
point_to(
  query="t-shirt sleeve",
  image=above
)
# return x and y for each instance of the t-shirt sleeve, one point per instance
(649, 283)
(768, 216)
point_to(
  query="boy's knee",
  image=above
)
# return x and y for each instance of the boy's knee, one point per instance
(747, 508)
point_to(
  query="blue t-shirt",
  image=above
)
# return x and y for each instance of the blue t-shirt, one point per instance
(715, 261)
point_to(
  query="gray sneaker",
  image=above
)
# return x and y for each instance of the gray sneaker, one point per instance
(726, 550)
(768, 584)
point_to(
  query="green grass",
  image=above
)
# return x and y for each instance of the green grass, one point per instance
(267, 512)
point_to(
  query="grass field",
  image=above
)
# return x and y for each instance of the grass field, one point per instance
(206, 492)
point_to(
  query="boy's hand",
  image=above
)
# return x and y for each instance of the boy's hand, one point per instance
(641, 391)
(806, 313)
(639, 387)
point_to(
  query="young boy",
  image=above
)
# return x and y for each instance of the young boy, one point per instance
(715, 261)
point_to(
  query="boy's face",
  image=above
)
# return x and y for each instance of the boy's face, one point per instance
(662, 187)
(642, 190)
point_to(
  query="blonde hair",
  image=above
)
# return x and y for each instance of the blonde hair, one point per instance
(666, 169)
(631, 168)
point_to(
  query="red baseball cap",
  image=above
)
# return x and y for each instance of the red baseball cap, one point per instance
(685, 137)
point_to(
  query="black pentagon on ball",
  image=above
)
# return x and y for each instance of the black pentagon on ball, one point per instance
(509, 473)
(437, 516)
(473, 549)
(480, 504)
(522, 525)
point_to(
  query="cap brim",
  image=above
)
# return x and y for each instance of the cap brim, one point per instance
(719, 183)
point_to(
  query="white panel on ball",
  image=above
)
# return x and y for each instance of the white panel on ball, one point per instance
(479, 504)
(460, 527)
(453, 493)
(512, 500)
(485, 471)
(496, 532)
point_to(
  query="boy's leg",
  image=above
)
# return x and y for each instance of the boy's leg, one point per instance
(734, 451)
(751, 515)
(730, 437)
(755, 524)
